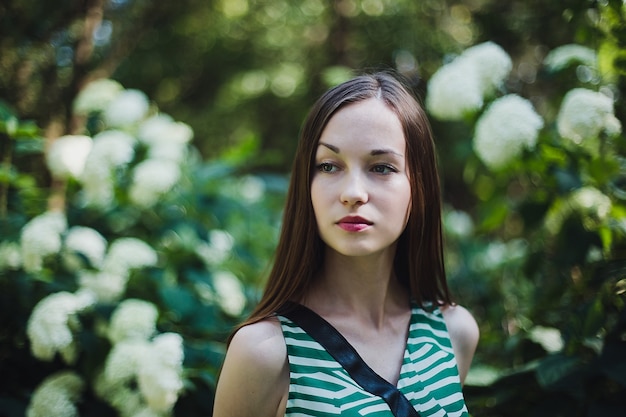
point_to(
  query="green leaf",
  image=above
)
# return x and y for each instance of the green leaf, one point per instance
(29, 146)
(8, 121)
(9, 126)
(211, 353)
(557, 372)
(482, 375)
(180, 300)
(27, 130)
(493, 213)
(594, 319)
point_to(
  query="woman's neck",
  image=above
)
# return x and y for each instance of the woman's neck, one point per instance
(364, 286)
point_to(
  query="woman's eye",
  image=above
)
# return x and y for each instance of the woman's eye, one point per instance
(384, 169)
(326, 167)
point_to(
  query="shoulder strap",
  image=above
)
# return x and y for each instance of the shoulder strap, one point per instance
(345, 354)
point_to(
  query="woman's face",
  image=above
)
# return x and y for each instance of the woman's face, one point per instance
(360, 189)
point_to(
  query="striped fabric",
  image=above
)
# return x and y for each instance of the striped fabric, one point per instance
(428, 378)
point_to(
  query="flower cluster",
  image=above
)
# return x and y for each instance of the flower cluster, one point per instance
(123, 256)
(134, 162)
(112, 150)
(458, 224)
(56, 396)
(10, 256)
(83, 247)
(229, 292)
(102, 273)
(508, 126)
(133, 319)
(459, 88)
(53, 322)
(218, 249)
(96, 96)
(96, 162)
(67, 156)
(40, 238)
(584, 115)
(154, 366)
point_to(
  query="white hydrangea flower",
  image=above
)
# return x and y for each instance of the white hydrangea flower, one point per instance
(156, 366)
(151, 179)
(51, 323)
(10, 256)
(96, 96)
(492, 64)
(251, 189)
(564, 55)
(87, 242)
(41, 237)
(56, 396)
(162, 129)
(509, 125)
(459, 87)
(165, 138)
(229, 292)
(122, 363)
(98, 188)
(112, 148)
(128, 107)
(221, 240)
(454, 91)
(548, 337)
(127, 401)
(133, 319)
(168, 152)
(107, 287)
(458, 223)
(584, 114)
(128, 253)
(160, 372)
(67, 155)
(592, 201)
(219, 248)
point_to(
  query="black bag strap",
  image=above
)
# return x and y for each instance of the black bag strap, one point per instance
(345, 354)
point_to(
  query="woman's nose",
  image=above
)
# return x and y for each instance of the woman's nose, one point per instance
(354, 190)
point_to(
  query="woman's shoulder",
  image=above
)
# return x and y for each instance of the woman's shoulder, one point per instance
(464, 334)
(460, 321)
(255, 376)
(261, 344)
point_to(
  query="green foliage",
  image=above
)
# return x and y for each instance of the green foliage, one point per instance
(212, 231)
(20, 141)
(543, 270)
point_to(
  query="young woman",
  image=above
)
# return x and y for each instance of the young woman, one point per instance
(361, 251)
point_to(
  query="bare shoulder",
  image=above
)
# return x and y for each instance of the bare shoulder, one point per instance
(261, 342)
(255, 376)
(464, 335)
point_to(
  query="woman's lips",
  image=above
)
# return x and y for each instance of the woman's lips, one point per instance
(354, 223)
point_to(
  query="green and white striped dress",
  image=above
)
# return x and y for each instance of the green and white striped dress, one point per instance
(429, 377)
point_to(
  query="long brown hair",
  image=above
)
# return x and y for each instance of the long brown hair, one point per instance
(419, 256)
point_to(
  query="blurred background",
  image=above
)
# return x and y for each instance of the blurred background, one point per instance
(144, 156)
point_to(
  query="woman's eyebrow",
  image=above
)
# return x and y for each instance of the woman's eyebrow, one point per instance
(385, 151)
(329, 146)
(373, 152)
